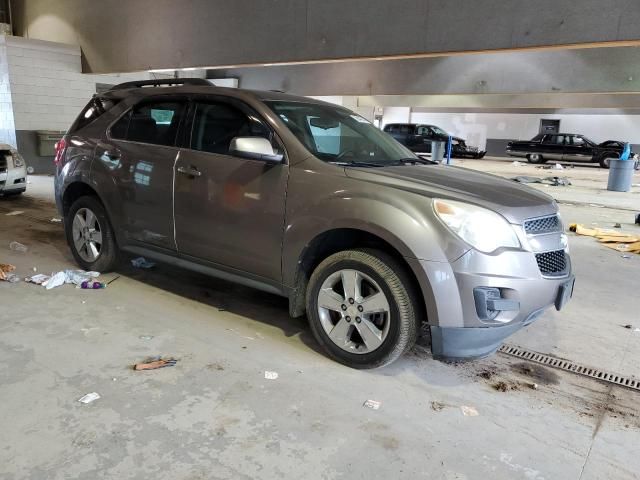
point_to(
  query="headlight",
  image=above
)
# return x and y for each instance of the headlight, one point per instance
(18, 161)
(483, 229)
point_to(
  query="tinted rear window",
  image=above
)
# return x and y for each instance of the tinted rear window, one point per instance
(151, 122)
(96, 107)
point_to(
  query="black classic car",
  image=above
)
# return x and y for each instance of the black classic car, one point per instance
(569, 147)
(418, 138)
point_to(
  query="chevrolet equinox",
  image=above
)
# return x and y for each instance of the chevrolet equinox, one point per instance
(309, 200)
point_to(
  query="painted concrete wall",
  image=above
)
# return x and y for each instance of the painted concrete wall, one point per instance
(115, 35)
(7, 125)
(524, 126)
(586, 70)
(42, 88)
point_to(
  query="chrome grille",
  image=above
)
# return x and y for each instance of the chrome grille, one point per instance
(542, 225)
(552, 264)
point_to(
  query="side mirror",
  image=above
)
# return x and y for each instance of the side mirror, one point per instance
(255, 148)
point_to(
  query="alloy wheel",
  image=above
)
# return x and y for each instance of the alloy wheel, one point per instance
(87, 235)
(354, 311)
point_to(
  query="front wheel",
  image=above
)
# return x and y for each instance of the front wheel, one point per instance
(360, 308)
(606, 157)
(90, 236)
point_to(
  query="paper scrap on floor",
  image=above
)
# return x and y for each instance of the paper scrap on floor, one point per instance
(615, 239)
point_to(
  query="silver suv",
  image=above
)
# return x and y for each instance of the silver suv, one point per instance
(310, 201)
(13, 171)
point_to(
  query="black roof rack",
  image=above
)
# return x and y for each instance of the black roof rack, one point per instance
(164, 81)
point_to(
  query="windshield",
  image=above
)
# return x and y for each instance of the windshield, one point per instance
(439, 131)
(334, 134)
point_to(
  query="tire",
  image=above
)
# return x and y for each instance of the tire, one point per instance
(377, 273)
(106, 247)
(535, 158)
(604, 158)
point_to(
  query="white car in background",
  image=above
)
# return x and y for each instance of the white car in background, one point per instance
(13, 171)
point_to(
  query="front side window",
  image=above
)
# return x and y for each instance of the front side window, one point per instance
(335, 134)
(439, 131)
(423, 131)
(216, 124)
(151, 122)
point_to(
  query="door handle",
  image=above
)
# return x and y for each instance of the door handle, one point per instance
(189, 171)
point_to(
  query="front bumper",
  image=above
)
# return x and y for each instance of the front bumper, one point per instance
(13, 179)
(457, 330)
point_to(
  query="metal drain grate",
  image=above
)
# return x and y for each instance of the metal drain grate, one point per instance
(568, 366)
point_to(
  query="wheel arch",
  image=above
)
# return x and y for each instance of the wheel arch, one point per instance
(338, 239)
(78, 189)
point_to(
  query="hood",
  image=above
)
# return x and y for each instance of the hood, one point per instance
(512, 200)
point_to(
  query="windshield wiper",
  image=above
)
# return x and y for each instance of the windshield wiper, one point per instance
(414, 161)
(354, 163)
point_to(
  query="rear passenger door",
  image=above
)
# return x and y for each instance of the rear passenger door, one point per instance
(552, 147)
(140, 152)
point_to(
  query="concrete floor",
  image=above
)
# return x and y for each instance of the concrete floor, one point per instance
(214, 415)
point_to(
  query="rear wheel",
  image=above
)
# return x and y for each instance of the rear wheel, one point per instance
(360, 308)
(535, 158)
(90, 236)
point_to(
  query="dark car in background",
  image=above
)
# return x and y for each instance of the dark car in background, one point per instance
(418, 138)
(568, 147)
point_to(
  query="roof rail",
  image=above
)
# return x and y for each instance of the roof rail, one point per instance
(163, 81)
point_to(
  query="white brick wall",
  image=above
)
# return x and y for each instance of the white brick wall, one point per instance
(7, 127)
(46, 85)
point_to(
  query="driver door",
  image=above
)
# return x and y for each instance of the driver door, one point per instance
(229, 210)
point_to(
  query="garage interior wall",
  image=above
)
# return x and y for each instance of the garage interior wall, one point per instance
(43, 85)
(492, 131)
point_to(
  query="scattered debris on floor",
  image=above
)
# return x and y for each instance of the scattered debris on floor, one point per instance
(536, 372)
(372, 404)
(89, 397)
(558, 167)
(86, 285)
(617, 225)
(620, 241)
(516, 163)
(629, 327)
(14, 213)
(154, 363)
(437, 406)
(142, 262)
(38, 279)
(145, 337)
(18, 247)
(113, 280)
(56, 220)
(553, 181)
(5, 271)
(486, 374)
(75, 277)
(503, 386)
(270, 375)
(469, 411)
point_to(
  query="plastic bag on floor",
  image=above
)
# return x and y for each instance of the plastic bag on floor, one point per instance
(75, 277)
